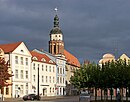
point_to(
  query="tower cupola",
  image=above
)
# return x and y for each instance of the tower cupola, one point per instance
(56, 29)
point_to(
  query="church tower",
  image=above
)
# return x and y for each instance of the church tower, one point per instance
(56, 43)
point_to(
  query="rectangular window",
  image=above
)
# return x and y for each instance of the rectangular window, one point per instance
(63, 71)
(34, 78)
(7, 91)
(16, 89)
(21, 60)
(49, 68)
(60, 70)
(2, 90)
(46, 79)
(53, 69)
(26, 88)
(21, 74)
(26, 74)
(63, 80)
(27, 61)
(42, 67)
(16, 59)
(42, 78)
(57, 79)
(16, 73)
(60, 80)
(50, 89)
(33, 66)
(46, 67)
(21, 89)
(53, 79)
(50, 79)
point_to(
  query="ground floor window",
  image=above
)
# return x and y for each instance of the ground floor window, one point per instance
(2, 91)
(7, 91)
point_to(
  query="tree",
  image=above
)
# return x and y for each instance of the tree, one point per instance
(4, 73)
(114, 74)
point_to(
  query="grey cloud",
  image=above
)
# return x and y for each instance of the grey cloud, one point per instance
(90, 27)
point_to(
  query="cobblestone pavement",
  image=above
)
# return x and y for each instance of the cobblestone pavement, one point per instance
(56, 99)
(46, 99)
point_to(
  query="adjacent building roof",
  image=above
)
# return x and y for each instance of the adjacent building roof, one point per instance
(41, 58)
(71, 59)
(9, 47)
(108, 55)
(107, 58)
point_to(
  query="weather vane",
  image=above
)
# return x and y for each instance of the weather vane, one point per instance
(56, 10)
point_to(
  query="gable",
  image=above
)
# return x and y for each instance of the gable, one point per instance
(124, 57)
(7, 48)
(22, 49)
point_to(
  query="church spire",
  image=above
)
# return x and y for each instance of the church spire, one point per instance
(56, 29)
(56, 19)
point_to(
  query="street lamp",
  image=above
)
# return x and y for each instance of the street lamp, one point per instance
(38, 83)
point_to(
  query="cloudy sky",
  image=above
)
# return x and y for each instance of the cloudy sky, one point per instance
(91, 28)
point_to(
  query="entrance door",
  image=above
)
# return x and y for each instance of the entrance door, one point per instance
(44, 92)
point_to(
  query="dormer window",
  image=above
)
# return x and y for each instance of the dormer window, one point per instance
(43, 60)
(1, 53)
(34, 58)
(51, 61)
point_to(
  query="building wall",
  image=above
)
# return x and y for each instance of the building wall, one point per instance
(20, 61)
(124, 57)
(60, 74)
(70, 90)
(47, 78)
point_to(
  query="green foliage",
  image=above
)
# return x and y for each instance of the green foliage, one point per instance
(4, 73)
(114, 74)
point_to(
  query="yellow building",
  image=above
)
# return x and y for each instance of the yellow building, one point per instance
(72, 64)
(124, 57)
(107, 58)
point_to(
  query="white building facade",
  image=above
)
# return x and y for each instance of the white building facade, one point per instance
(20, 62)
(47, 74)
(60, 72)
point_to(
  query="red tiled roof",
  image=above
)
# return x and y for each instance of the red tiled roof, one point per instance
(71, 59)
(9, 47)
(39, 57)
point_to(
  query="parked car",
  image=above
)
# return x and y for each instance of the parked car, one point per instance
(31, 97)
(84, 96)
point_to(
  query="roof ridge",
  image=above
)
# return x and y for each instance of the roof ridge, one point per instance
(12, 43)
(10, 47)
